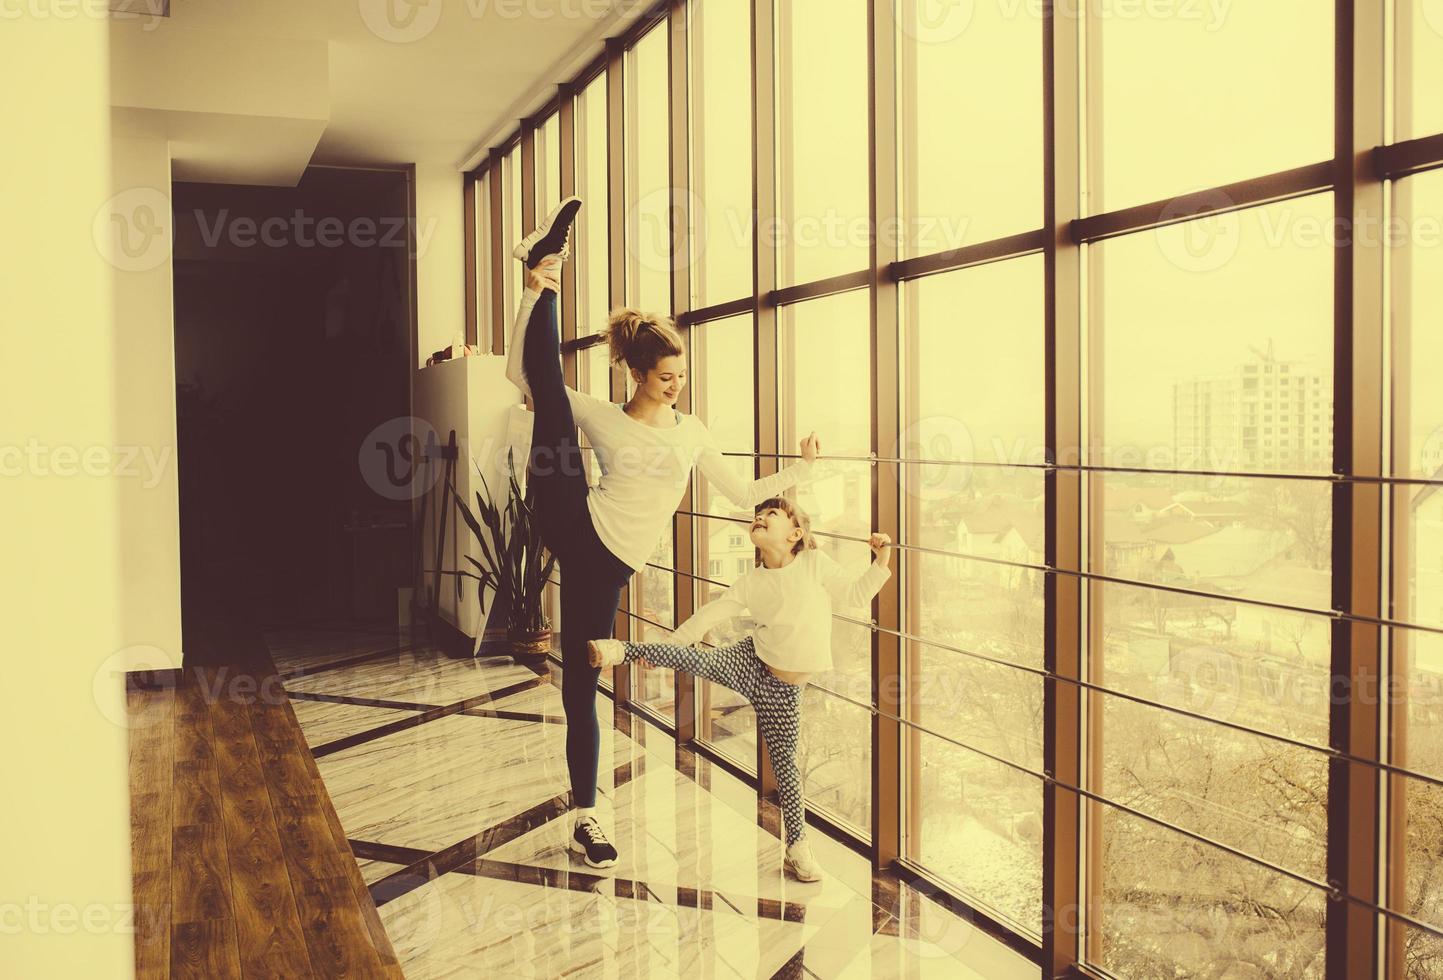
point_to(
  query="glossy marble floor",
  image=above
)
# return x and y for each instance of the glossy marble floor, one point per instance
(449, 779)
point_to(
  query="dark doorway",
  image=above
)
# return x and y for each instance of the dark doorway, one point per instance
(293, 340)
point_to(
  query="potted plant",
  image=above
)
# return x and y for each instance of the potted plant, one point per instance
(514, 561)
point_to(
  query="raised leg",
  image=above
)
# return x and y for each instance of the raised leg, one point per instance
(735, 666)
(556, 469)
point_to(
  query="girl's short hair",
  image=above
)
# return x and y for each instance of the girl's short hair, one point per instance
(799, 519)
(640, 340)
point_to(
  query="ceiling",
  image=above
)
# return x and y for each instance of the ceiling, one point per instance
(434, 81)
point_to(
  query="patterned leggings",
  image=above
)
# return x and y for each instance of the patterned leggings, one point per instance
(778, 706)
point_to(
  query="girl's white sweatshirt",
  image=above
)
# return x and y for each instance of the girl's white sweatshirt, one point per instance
(645, 469)
(792, 606)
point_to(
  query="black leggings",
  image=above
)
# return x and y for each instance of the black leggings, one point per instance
(592, 577)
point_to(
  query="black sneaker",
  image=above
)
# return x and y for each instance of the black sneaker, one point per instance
(552, 236)
(590, 842)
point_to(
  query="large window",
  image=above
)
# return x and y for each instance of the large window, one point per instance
(722, 352)
(1155, 474)
(1193, 96)
(589, 237)
(821, 137)
(648, 182)
(484, 260)
(653, 619)
(978, 176)
(1213, 345)
(589, 252)
(825, 354)
(511, 234)
(1418, 60)
(1416, 655)
(721, 151)
(547, 148)
(972, 590)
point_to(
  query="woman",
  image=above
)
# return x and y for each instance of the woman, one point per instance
(646, 450)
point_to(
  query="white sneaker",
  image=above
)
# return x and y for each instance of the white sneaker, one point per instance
(801, 863)
(552, 236)
(606, 653)
(589, 840)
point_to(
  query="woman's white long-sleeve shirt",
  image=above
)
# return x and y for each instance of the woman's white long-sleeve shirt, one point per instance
(792, 606)
(645, 469)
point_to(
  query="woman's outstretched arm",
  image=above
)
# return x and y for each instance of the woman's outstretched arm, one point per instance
(514, 373)
(544, 276)
(749, 493)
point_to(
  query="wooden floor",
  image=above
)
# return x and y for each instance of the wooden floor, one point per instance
(241, 868)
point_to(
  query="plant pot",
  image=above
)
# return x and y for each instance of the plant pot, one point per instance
(529, 643)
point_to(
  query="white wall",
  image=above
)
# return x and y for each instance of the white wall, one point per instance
(440, 259)
(472, 396)
(64, 836)
(145, 400)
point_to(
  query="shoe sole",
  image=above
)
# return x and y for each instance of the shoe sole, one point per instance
(579, 848)
(789, 866)
(523, 250)
(595, 655)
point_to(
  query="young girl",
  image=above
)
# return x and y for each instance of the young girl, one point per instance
(646, 450)
(790, 595)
